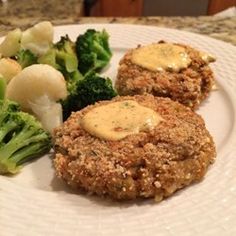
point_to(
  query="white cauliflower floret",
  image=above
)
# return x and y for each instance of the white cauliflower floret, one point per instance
(38, 88)
(38, 38)
(9, 68)
(11, 44)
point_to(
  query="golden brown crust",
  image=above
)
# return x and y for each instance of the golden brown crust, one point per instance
(154, 164)
(190, 86)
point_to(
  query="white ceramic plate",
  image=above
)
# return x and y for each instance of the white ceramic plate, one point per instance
(36, 203)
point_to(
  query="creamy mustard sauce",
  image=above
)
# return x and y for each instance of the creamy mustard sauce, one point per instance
(207, 57)
(161, 57)
(117, 120)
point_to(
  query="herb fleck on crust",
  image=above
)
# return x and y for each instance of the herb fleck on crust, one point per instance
(176, 153)
(189, 86)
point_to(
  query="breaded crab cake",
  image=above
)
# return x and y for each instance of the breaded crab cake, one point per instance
(166, 70)
(170, 149)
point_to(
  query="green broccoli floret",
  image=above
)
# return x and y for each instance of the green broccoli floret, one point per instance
(62, 57)
(93, 50)
(22, 138)
(49, 58)
(26, 58)
(65, 54)
(91, 89)
(8, 106)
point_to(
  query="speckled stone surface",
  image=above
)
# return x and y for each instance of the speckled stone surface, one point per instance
(24, 13)
(216, 27)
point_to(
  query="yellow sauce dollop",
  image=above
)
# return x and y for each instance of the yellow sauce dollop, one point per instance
(206, 57)
(115, 121)
(161, 57)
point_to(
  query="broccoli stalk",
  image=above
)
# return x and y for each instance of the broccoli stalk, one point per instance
(93, 51)
(21, 138)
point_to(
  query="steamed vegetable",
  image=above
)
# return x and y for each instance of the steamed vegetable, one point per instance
(26, 58)
(11, 44)
(3, 85)
(38, 38)
(77, 61)
(89, 90)
(9, 68)
(42, 78)
(93, 50)
(22, 138)
(62, 57)
(38, 88)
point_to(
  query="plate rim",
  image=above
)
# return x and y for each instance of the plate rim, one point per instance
(228, 89)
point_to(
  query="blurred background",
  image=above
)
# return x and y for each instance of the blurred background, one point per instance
(115, 8)
(155, 7)
(199, 16)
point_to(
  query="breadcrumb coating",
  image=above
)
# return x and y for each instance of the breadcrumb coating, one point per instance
(189, 86)
(154, 164)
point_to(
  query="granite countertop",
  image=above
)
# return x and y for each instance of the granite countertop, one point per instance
(24, 13)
